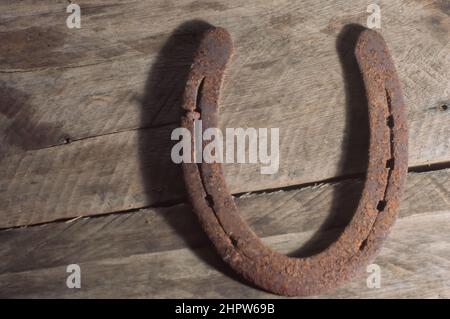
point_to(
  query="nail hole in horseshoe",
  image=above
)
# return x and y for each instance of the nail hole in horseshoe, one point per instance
(210, 200)
(381, 205)
(363, 244)
(234, 241)
(390, 163)
(390, 121)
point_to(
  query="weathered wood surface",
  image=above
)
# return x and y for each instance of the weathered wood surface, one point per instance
(133, 169)
(286, 60)
(112, 89)
(124, 70)
(163, 253)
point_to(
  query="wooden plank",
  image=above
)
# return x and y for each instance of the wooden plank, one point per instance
(118, 72)
(406, 271)
(133, 169)
(159, 229)
(162, 252)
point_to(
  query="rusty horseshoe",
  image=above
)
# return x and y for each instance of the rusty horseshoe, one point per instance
(361, 239)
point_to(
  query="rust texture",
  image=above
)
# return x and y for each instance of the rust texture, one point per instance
(361, 239)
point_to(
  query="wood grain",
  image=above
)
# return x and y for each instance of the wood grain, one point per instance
(133, 169)
(163, 253)
(126, 67)
(85, 123)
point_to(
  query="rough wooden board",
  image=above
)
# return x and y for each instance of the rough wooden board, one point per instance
(159, 229)
(48, 97)
(133, 169)
(130, 79)
(181, 273)
(411, 267)
(147, 249)
(286, 65)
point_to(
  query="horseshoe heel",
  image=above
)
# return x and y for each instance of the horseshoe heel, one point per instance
(361, 239)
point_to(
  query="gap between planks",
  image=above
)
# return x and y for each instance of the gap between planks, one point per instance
(163, 252)
(128, 170)
(115, 97)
